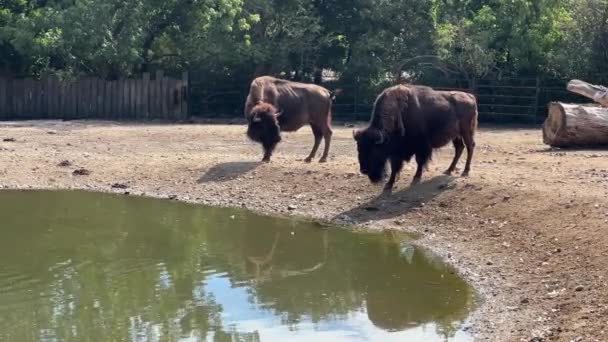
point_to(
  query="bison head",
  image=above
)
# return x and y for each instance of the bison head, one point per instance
(373, 153)
(264, 126)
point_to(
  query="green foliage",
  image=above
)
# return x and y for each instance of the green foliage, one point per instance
(234, 40)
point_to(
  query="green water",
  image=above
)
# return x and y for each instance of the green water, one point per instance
(77, 266)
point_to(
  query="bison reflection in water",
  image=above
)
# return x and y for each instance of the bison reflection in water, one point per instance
(274, 105)
(75, 266)
(411, 121)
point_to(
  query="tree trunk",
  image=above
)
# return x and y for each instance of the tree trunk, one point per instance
(597, 93)
(575, 125)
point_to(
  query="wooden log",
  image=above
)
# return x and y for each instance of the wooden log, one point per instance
(597, 93)
(571, 125)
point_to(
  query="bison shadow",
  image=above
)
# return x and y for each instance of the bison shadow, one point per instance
(387, 206)
(227, 171)
(589, 148)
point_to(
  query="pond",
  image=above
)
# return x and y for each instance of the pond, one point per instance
(81, 266)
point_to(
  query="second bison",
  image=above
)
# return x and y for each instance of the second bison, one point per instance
(274, 105)
(411, 121)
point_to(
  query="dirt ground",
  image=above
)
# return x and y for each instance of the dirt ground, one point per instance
(527, 228)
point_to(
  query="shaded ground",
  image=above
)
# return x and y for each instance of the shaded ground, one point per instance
(528, 228)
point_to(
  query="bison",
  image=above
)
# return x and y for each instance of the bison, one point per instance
(414, 120)
(275, 105)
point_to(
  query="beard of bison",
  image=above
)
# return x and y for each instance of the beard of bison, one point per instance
(373, 153)
(264, 128)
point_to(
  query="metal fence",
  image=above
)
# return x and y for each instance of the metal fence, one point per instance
(499, 100)
(161, 97)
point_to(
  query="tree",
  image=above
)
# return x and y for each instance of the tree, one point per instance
(109, 38)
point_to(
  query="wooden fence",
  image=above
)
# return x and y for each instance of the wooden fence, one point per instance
(162, 98)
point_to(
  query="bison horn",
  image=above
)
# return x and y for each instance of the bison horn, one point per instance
(257, 119)
(277, 114)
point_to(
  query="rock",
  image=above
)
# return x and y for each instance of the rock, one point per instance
(579, 288)
(371, 208)
(65, 163)
(119, 186)
(172, 197)
(489, 263)
(9, 140)
(291, 207)
(524, 301)
(81, 172)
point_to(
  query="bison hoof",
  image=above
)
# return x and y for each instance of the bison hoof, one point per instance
(465, 174)
(323, 160)
(448, 172)
(415, 181)
(308, 160)
(265, 160)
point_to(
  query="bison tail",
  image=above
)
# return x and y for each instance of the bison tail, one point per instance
(475, 119)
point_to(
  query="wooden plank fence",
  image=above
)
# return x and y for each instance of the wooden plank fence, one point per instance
(147, 98)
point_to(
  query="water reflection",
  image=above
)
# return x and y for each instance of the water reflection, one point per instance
(78, 266)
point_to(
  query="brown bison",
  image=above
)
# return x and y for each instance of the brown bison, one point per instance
(274, 105)
(414, 120)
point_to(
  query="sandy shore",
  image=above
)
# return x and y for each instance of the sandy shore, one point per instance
(527, 229)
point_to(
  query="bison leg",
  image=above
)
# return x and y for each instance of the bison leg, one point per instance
(327, 137)
(318, 136)
(469, 142)
(422, 157)
(268, 149)
(396, 166)
(459, 148)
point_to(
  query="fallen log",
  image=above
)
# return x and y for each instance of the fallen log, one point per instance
(575, 125)
(597, 93)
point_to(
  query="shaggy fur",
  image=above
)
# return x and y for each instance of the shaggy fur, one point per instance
(411, 121)
(274, 105)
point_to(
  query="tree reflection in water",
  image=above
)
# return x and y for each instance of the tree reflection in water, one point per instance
(78, 266)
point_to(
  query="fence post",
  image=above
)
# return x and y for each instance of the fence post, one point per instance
(473, 86)
(537, 97)
(185, 95)
(356, 106)
(146, 95)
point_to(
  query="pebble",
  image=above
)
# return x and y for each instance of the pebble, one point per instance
(81, 172)
(119, 186)
(291, 207)
(579, 288)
